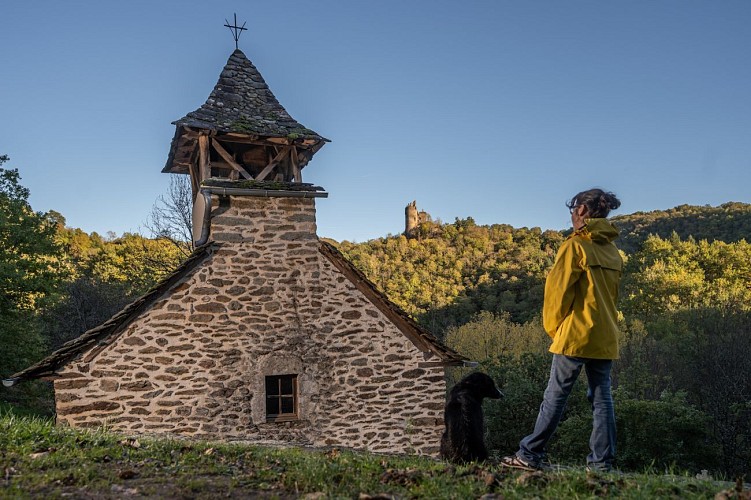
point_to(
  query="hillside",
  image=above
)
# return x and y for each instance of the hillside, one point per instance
(452, 271)
(729, 222)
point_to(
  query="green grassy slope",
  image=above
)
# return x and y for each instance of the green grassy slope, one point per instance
(38, 459)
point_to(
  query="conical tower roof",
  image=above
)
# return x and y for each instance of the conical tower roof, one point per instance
(242, 102)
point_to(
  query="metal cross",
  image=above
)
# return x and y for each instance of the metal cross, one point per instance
(236, 30)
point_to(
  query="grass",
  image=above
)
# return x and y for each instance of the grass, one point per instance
(38, 459)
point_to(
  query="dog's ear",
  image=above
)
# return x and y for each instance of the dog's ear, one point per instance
(493, 391)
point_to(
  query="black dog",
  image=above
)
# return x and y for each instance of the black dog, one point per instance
(463, 439)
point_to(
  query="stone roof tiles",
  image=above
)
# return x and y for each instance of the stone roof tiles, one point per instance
(241, 102)
(262, 185)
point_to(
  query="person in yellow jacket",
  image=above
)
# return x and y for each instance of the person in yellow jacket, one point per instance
(580, 315)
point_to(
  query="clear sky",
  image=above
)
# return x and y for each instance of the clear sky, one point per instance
(498, 110)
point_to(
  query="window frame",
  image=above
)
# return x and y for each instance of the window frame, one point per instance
(282, 417)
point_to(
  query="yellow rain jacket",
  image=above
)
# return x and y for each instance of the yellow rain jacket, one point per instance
(581, 290)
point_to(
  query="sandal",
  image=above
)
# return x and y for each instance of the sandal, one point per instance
(515, 462)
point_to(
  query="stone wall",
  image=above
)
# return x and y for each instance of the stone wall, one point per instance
(266, 302)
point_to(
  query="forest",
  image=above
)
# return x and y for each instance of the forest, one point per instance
(682, 383)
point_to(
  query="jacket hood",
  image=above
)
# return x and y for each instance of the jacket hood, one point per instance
(600, 230)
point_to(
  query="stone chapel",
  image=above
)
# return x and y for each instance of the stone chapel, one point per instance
(265, 333)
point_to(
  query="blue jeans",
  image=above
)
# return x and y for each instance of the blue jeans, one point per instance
(563, 373)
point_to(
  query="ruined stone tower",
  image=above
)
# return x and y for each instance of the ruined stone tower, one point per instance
(413, 219)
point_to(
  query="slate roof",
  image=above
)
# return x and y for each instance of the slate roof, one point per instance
(242, 102)
(263, 185)
(102, 335)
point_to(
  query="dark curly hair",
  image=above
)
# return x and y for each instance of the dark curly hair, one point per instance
(598, 202)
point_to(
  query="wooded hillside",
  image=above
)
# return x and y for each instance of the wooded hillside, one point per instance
(685, 362)
(730, 222)
(451, 272)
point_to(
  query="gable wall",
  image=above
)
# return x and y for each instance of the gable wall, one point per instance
(266, 302)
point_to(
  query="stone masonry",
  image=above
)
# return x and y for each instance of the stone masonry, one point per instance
(266, 301)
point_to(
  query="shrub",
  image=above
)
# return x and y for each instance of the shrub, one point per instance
(663, 434)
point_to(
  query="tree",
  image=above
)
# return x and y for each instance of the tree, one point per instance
(490, 337)
(669, 275)
(105, 275)
(30, 271)
(171, 216)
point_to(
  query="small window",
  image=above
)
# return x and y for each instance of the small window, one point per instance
(281, 397)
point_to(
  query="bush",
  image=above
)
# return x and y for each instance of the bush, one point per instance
(523, 380)
(662, 434)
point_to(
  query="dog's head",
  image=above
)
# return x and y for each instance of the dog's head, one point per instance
(481, 385)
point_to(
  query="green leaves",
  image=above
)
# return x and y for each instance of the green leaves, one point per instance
(30, 272)
(450, 272)
(674, 275)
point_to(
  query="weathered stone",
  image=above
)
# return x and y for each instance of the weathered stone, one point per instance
(207, 363)
(170, 316)
(272, 306)
(432, 406)
(95, 406)
(65, 397)
(166, 402)
(201, 318)
(180, 348)
(106, 373)
(393, 357)
(183, 411)
(417, 372)
(153, 394)
(71, 384)
(211, 307)
(140, 385)
(190, 392)
(342, 349)
(133, 341)
(351, 314)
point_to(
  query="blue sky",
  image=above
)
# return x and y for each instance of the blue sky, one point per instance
(498, 110)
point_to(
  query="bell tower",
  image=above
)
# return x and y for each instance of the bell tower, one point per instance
(241, 133)
(241, 144)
